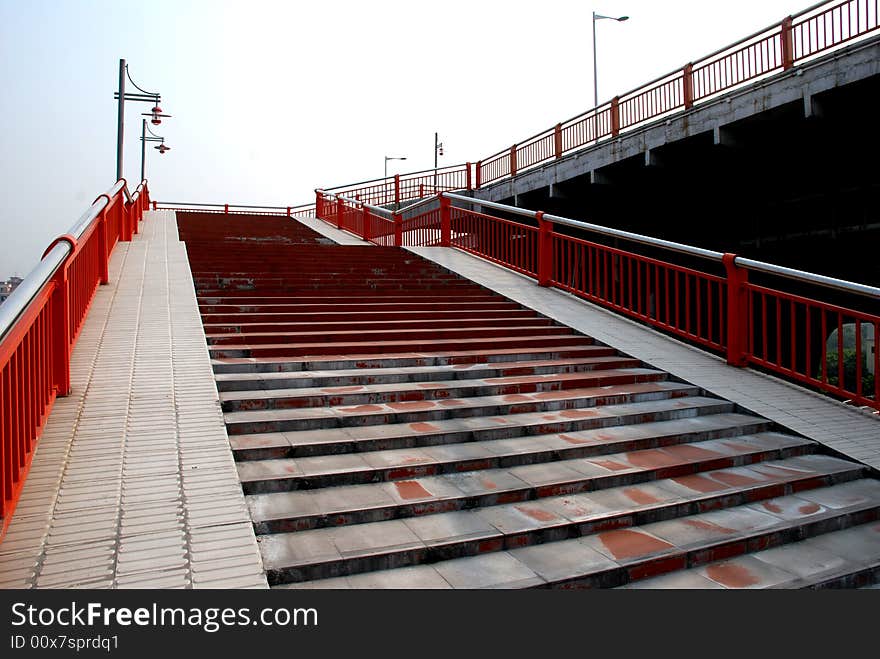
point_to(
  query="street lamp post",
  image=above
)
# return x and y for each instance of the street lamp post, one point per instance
(438, 151)
(143, 97)
(598, 17)
(151, 138)
(387, 158)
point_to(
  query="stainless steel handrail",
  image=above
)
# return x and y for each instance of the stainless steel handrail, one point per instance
(690, 250)
(20, 299)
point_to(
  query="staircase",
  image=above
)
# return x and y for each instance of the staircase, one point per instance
(397, 426)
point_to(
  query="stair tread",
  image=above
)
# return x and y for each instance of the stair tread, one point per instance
(510, 423)
(599, 377)
(405, 463)
(621, 547)
(570, 396)
(349, 498)
(462, 371)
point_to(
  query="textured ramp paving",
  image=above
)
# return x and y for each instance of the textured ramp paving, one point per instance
(133, 483)
(397, 426)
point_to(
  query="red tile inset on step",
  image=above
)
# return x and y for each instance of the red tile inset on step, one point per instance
(623, 544)
(410, 490)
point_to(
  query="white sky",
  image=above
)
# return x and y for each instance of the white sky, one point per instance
(272, 99)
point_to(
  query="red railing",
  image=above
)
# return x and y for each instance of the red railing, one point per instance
(685, 302)
(39, 325)
(821, 343)
(406, 187)
(303, 211)
(776, 48)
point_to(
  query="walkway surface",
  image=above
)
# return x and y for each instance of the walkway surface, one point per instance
(133, 484)
(848, 430)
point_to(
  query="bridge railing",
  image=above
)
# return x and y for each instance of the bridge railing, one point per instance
(799, 37)
(41, 321)
(790, 322)
(302, 211)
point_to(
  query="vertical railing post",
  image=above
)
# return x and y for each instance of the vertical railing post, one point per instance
(288, 211)
(339, 211)
(365, 231)
(513, 160)
(154, 205)
(786, 44)
(124, 219)
(396, 191)
(557, 140)
(687, 85)
(445, 221)
(422, 190)
(737, 312)
(60, 322)
(226, 209)
(615, 115)
(103, 255)
(467, 177)
(479, 171)
(319, 205)
(545, 250)
(398, 229)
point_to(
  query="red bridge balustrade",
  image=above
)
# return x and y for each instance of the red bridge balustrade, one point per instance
(716, 307)
(41, 321)
(815, 30)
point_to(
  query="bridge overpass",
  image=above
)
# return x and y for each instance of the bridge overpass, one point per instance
(411, 385)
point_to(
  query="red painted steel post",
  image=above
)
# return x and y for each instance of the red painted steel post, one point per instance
(513, 160)
(124, 220)
(226, 209)
(365, 233)
(786, 43)
(687, 85)
(479, 169)
(737, 312)
(422, 190)
(319, 205)
(557, 140)
(445, 221)
(103, 255)
(288, 211)
(545, 250)
(615, 115)
(398, 229)
(467, 176)
(60, 322)
(397, 189)
(154, 205)
(340, 209)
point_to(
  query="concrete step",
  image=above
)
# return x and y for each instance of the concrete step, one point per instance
(436, 315)
(420, 333)
(573, 403)
(849, 558)
(510, 387)
(393, 346)
(595, 539)
(227, 382)
(356, 439)
(723, 438)
(579, 348)
(249, 327)
(350, 306)
(560, 465)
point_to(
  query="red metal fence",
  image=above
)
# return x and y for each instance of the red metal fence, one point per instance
(39, 325)
(303, 211)
(777, 48)
(803, 337)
